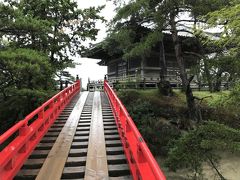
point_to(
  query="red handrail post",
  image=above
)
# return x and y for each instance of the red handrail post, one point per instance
(41, 114)
(23, 130)
(141, 158)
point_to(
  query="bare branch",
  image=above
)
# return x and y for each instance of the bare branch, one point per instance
(184, 30)
(201, 99)
(192, 20)
(193, 53)
(179, 30)
(190, 80)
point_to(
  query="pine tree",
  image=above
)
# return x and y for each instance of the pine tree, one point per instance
(160, 16)
(37, 38)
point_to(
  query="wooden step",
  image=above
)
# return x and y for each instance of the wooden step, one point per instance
(118, 170)
(73, 172)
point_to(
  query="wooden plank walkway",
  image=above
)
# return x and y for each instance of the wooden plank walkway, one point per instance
(82, 144)
(96, 165)
(55, 162)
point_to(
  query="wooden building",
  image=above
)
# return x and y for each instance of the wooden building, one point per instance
(145, 71)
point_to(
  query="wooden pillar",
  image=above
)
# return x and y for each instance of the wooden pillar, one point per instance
(142, 73)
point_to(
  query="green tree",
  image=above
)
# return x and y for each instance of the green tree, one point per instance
(161, 16)
(57, 28)
(37, 39)
(226, 60)
(25, 82)
(200, 145)
(227, 19)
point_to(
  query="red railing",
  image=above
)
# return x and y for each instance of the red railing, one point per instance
(30, 132)
(141, 161)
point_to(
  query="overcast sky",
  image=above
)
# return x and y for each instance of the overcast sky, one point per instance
(89, 68)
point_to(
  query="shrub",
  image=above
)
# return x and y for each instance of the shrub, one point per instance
(231, 100)
(199, 145)
(143, 111)
(158, 134)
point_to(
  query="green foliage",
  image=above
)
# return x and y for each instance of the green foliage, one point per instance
(143, 48)
(228, 42)
(200, 145)
(20, 102)
(36, 39)
(149, 19)
(134, 17)
(57, 28)
(25, 83)
(203, 7)
(14, 21)
(220, 101)
(230, 101)
(24, 68)
(227, 100)
(124, 38)
(235, 95)
(156, 132)
(140, 110)
(127, 40)
(221, 66)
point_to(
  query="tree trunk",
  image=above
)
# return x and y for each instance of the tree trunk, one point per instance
(199, 82)
(185, 82)
(4, 95)
(143, 62)
(202, 53)
(164, 86)
(178, 52)
(230, 79)
(216, 169)
(217, 86)
(208, 75)
(162, 62)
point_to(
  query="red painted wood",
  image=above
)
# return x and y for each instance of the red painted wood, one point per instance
(29, 135)
(141, 161)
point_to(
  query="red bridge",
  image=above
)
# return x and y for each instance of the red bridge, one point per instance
(77, 135)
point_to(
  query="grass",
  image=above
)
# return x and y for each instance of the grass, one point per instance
(153, 95)
(214, 100)
(144, 94)
(179, 97)
(210, 97)
(150, 93)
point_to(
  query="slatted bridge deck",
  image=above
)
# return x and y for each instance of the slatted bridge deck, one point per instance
(86, 136)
